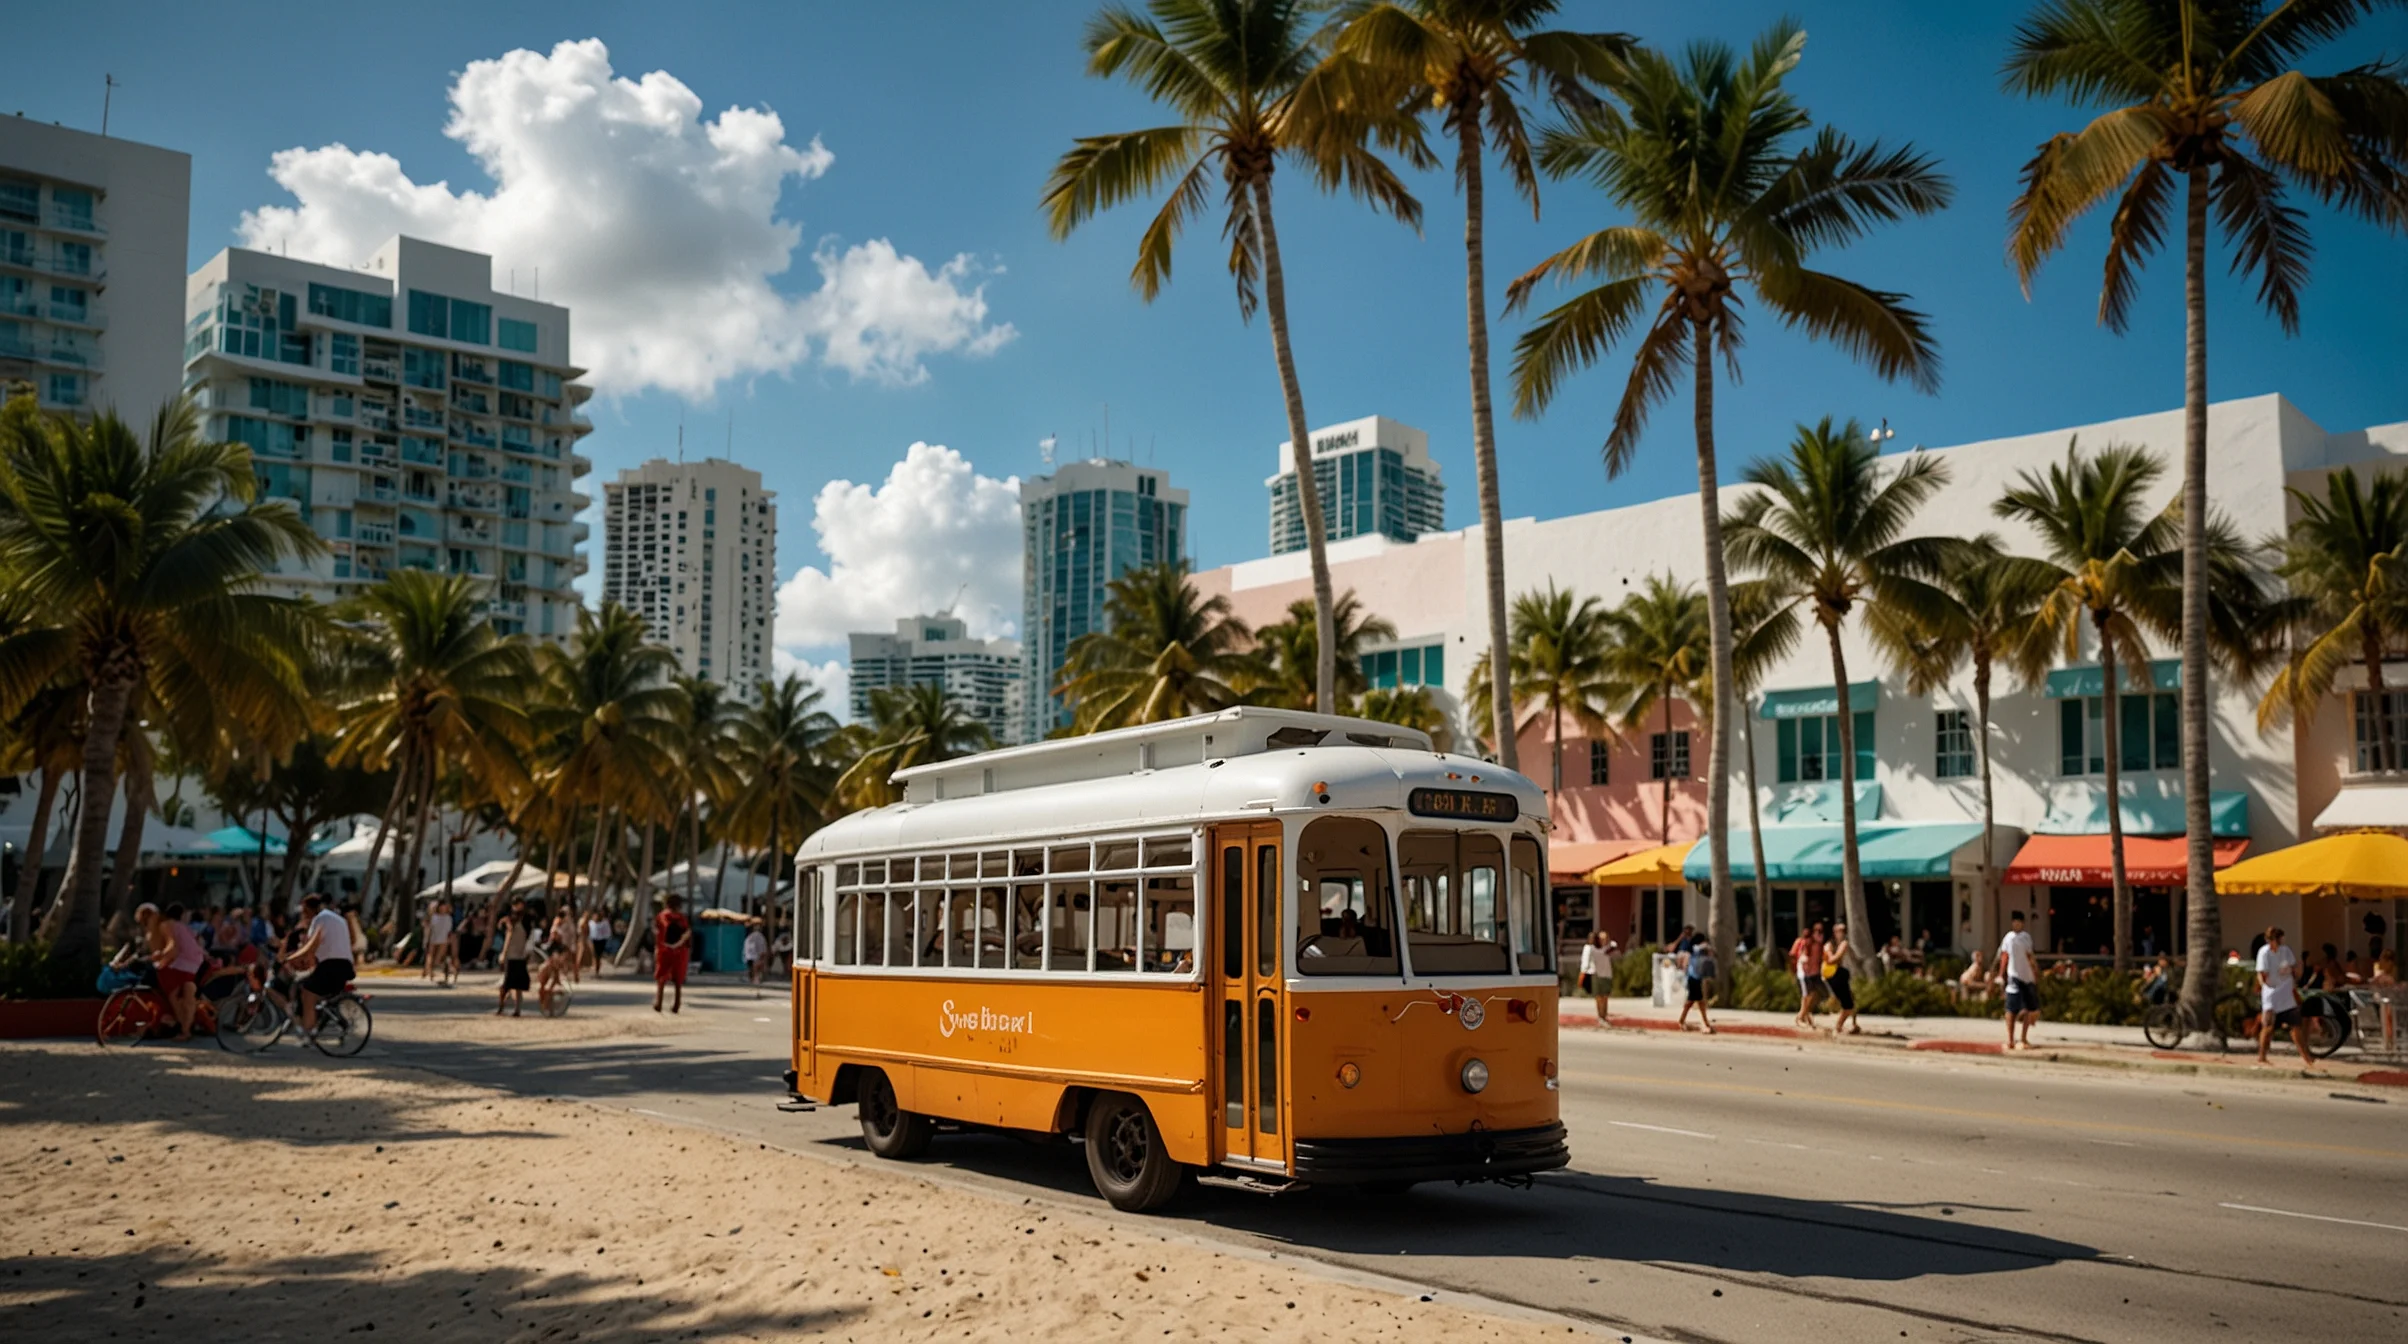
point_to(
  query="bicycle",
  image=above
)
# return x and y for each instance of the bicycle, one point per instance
(2168, 1025)
(256, 1018)
(343, 1026)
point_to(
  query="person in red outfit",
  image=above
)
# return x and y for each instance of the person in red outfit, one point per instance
(673, 944)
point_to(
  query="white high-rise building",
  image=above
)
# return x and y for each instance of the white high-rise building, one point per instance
(980, 675)
(419, 418)
(92, 238)
(1082, 527)
(692, 547)
(1376, 478)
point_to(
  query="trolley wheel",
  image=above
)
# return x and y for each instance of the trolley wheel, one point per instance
(126, 1017)
(888, 1129)
(1125, 1156)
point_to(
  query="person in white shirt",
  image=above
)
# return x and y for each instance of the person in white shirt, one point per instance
(2022, 977)
(2278, 998)
(442, 960)
(1597, 970)
(326, 949)
(756, 953)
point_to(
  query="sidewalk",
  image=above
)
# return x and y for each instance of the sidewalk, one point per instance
(2052, 1042)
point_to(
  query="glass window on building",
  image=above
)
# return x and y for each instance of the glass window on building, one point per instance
(1807, 749)
(1952, 755)
(69, 303)
(472, 322)
(343, 354)
(2370, 725)
(20, 200)
(430, 314)
(1601, 758)
(422, 368)
(1668, 755)
(351, 305)
(517, 335)
(2149, 726)
(66, 389)
(74, 258)
(72, 206)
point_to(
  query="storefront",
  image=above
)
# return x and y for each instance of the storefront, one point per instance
(1919, 878)
(2068, 864)
(1581, 908)
(1648, 885)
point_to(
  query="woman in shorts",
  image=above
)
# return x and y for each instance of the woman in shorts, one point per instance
(673, 939)
(513, 933)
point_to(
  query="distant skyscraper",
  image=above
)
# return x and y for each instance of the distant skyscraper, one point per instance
(80, 212)
(1375, 476)
(980, 675)
(692, 548)
(1082, 527)
(418, 418)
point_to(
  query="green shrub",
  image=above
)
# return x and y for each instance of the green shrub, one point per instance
(1634, 970)
(1903, 994)
(28, 971)
(1753, 984)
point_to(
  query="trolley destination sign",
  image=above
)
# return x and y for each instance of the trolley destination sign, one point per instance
(1463, 804)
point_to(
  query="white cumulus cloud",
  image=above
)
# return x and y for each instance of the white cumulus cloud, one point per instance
(834, 678)
(934, 534)
(657, 226)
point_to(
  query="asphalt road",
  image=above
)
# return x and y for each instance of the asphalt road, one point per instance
(1722, 1190)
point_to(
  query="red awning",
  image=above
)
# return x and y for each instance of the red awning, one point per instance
(2083, 860)
(1571, 860)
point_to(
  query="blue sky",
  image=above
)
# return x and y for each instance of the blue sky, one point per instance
(942, 120)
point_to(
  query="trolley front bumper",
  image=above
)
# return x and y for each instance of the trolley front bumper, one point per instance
(1480, 1155)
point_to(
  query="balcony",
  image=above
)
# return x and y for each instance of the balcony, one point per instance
(69, 222)
(424, 454)
(377, 494)
(418, 417)
(379, 371)
(78, 269)
(93, 315)
(479, 503)
(471, 369)
(475, 403)
(419, 494)
(471, 434)
(373, 534)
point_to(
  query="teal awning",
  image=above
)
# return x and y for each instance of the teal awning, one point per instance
(1806, 702)
(243, 840)
(1799, 804)
(1892, 849)
(2082, 810)
(2081, 683)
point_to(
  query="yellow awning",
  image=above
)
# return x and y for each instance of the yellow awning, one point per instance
(2367, 865)
(1658, 867)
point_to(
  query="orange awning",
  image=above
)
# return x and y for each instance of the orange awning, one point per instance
(1571, 860)
(2083, 860)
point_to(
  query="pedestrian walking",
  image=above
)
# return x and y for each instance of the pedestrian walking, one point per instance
(756, 955)
(2278, 998)
(1839, 976)
(1702, 972)
(1597, 970)
(1687, 939)
(672, 941)
(438, 943)
(1806, 962)
(515, 980)
(2022, 978)
(597, 935)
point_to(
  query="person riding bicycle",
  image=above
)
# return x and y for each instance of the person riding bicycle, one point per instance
(325, 948)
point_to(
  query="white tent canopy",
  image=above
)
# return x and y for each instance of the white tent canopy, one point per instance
(740, 887)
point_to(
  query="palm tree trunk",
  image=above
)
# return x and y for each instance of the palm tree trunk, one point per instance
(1851, 867)
(1664, 818)
(1555, 789)
(1308, 490)
(693, 854)
(296, 837)
(2111, 725)
(29, 876)
(73, 927)
(405, 909)
(1722, 918)
(1755, 837)
(1484, 426)
(394, 802)
(129, 842)
(2204, 918)
(1992, 883)
(640, 913)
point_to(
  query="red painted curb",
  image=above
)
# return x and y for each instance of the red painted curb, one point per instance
(1658, 1024)
(2385, 1078)
(1961, 1047)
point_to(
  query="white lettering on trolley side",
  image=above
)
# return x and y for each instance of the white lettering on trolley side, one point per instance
(983, 1018)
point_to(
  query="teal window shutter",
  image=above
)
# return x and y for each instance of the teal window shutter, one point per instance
(2095, 709)
(1433, 665)
(2169, 732)
(1785, 736)
(2133, 727)
(1865, 755)
(1811, 762)
(2069, 737)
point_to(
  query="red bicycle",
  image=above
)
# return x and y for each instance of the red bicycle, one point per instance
(139, 1013)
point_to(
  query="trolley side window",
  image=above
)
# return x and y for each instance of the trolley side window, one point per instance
(1454, 888)
(1533, 916)
(1345, 922)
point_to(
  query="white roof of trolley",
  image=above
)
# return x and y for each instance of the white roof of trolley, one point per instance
(1235, 762)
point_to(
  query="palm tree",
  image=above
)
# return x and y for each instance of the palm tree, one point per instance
(2346, 560)
(909, 725)
(1712, 158)
(2202, 95)
(1764, 632)
(1165, 652)
(1408, 707)
(1559, 664)
(1289, 653)
(46, 734)
(614, 714)
(1468, 60)
(2110, 568)
(1657, 650)
(780, 741)
(1828, 533)
(1245, 80)
(144, 563)
(430, 682)
(1988, 603)
(706, 775)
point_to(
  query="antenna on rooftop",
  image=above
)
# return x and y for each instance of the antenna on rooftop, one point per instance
(731, 433)
(681, 438)
(108, 86)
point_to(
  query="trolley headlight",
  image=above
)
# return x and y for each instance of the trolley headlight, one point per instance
(1475, 1075)
(1349, 1074)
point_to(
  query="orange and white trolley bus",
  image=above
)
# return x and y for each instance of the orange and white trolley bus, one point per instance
(1257, 946)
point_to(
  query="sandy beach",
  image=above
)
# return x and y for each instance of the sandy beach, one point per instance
(180, 1193)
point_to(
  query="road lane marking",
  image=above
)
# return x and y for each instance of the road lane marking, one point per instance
(1658, 1129)
(1994, 1116)
(2317, 1217)
(2114, 1143)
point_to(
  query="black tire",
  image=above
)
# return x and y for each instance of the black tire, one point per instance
(1125, 1156)
(2327, 1031)
(248, 1023)
(127, 1017)
(344, 1025)
(2163, 1024)
(889, 1130)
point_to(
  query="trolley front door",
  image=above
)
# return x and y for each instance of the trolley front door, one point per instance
(1246, 887)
